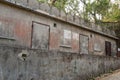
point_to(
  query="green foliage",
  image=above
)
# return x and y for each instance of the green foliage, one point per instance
(72, 6)
(43, 1)
(60, 4)
(98, 11)
(95, 10)
(113, 15)
(69, 6)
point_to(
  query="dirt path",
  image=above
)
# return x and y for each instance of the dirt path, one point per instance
(111, 76)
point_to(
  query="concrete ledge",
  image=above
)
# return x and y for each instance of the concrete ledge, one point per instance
(8, 38)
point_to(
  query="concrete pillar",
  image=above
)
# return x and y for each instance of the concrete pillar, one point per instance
(44, 7)
(55, 12)
(69, 18)
(34, 4)
(63, 15)
(77, 19)
(22, 2)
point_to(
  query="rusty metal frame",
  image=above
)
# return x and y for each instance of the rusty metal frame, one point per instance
(32, 33)
(79, 42)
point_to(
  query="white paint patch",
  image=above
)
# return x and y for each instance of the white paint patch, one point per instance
(67, 34)
(97, 47)
(75, 36)
(118, 49)
(0, 23)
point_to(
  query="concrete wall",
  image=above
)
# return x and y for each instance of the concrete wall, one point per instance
(20, 26)
(26, 64)
(53, 11)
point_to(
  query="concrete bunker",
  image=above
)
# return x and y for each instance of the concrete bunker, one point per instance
(39, 29)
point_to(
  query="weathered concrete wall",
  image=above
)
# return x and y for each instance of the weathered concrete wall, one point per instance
(51, 10)
(20, 31)
(52, 65)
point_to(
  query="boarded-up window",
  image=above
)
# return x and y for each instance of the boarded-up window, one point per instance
(97, 47)
(6, 30)
(66, 38)
(40, 37)
(83, 44)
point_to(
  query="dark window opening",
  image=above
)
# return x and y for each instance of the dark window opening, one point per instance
(55, 25)
(91, 35)
(108, 48)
